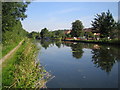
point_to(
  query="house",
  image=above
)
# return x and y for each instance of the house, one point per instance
(95, 32)
(86, 30)
(67, 31)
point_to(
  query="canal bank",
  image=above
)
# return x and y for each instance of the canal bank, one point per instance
(21, 70)
(112, 42)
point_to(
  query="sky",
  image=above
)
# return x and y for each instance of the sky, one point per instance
(60, 15)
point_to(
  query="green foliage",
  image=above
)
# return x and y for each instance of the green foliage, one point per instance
(34, 35)
(68, 35)
(104, 23)
(89, 35)
(44, 33)
(118, 30)
(59, 34)
(11, 38)
(118, 25)
(12, 31)
(11, 13)
(0, 22)
(21, 70)
(52, 34)
(0, 50)
(77, 28)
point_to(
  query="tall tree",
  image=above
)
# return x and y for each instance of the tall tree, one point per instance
(11, 13)
(44, 33)
(104, 23)
(118, 29)
(12, 31)
(77, 28)
(59, 34)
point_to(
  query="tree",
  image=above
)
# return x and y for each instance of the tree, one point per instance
(89, 35)
(59, 34)
(118, 29)
(77, 28)
(104, 23)
(34, 35)
(44, 33)
(12, 12)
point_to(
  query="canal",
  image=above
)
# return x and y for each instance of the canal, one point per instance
(80, 65)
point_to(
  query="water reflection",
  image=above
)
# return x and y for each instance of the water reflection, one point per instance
(77, 51)
(104, 57)
(47, 43)
(58, 44)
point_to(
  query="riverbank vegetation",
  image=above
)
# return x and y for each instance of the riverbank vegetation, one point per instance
(11, 38)
(12, 31)
(21, 70)
(104, 41)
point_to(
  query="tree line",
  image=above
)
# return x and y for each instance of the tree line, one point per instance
(103, 23)
(12, 31)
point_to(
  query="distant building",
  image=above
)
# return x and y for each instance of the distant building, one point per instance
(95, 32)
(87, 29)
(67, 31)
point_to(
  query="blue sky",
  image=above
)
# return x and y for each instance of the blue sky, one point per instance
(60, 15)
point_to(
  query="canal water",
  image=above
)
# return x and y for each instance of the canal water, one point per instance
(80, 65)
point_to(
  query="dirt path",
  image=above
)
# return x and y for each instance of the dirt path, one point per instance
(10, 53)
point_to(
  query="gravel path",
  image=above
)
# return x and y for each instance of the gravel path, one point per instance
(10, 53)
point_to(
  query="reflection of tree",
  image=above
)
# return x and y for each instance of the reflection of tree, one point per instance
(58, 44)
(77, 50)
(67, 43)
(45, 43)
(115, 50)
(103, 58)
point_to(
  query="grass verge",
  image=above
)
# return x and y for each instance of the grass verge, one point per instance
(115, 42)
(0, 67)
(8, 47)
(0, 50)
(21, 70)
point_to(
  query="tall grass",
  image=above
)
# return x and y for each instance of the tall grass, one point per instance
(0, 50)
(10, 40)
(0, 67)
(21, 71)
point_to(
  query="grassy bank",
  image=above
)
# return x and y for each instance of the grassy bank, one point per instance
(0, 50)
(10, 40)
(21, 70)
(115, 42)
(0, 67)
